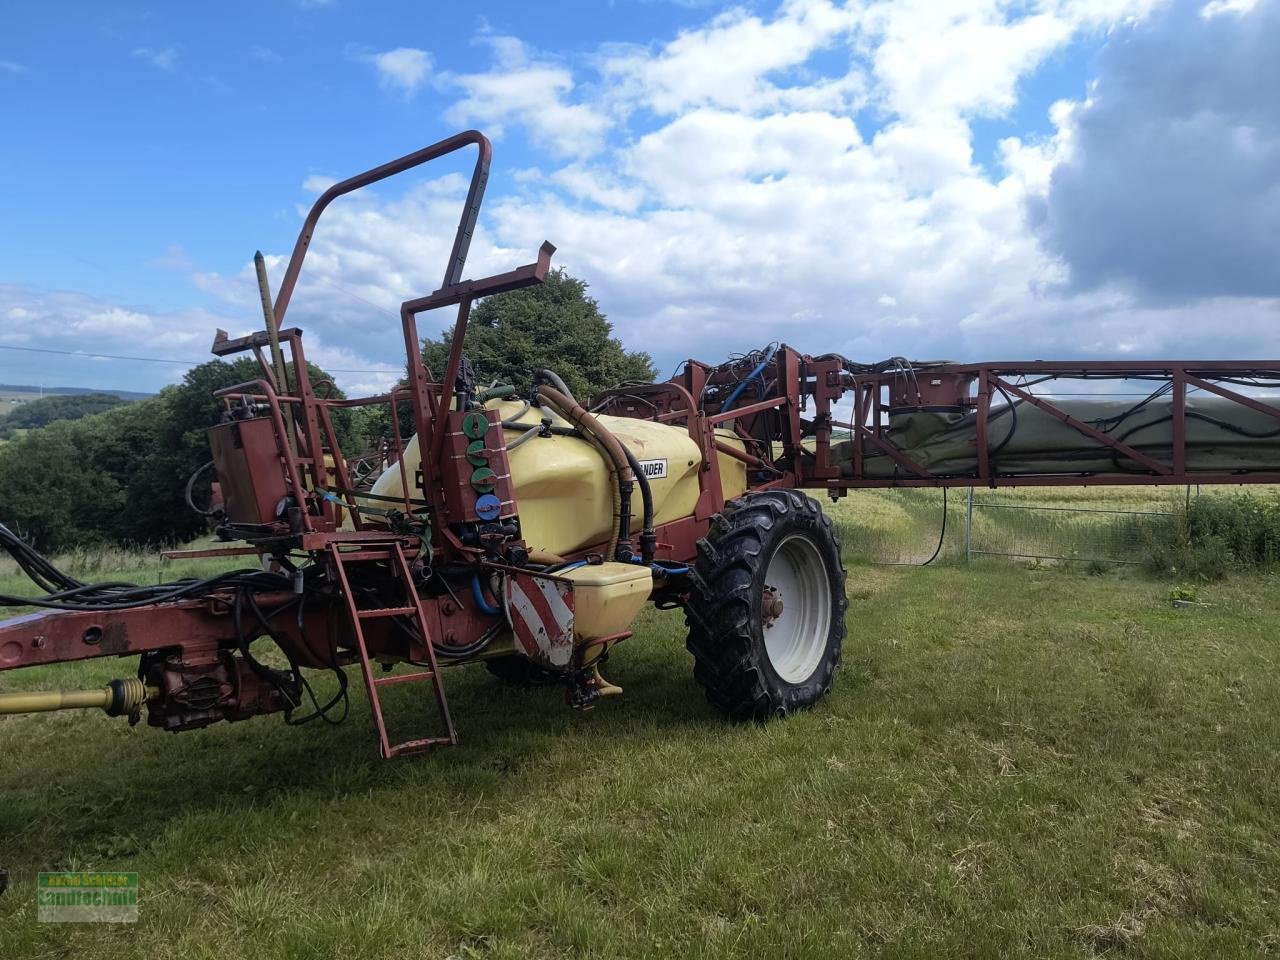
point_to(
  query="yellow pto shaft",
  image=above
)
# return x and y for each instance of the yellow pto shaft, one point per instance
(117, 698)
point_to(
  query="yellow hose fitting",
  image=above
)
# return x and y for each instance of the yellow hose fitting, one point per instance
(603, 686)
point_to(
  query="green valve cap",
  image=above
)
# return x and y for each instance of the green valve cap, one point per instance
(484, 480)
(477, 455)
(475, 425)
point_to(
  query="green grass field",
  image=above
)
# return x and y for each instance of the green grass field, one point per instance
(1015, 762)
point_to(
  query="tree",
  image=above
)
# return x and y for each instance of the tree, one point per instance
(121, 475)
(181, 447)
(72, 406)
(555, 325)
(49, 496)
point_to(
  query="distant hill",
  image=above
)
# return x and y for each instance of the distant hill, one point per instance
(42, 411)
(7, 388)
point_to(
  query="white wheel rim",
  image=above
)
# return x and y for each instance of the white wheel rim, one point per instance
(797, 638)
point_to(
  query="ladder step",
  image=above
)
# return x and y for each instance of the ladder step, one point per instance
(390, 551)
(355, 556)
(403, 678)
(374, 612)
(420, 746)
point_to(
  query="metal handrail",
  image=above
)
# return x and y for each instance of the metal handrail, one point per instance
(466, 224)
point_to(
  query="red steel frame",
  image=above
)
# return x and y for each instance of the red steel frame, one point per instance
(787, 433)
(869, 427)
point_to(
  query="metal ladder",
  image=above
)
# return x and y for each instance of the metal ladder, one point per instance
(372, 551)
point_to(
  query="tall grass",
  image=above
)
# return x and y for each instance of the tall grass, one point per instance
(1218, 534)
(1202, 537)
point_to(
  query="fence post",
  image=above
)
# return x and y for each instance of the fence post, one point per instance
(968, 528)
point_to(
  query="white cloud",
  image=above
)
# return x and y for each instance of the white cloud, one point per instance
(404, 69)
(597, 185)
(806, 173)
(317, 183)
(533, 92)
(1166, 183)
(69, 323)
(264, 54)
(942, 59)
(734, 61)
(173, 258)
(12, 66)
(165, 58)
(1218, 7)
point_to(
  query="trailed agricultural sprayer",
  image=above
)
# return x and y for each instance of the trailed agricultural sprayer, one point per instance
(527, 529)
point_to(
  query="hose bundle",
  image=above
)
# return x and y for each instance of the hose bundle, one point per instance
(64, 592)
(624, 477)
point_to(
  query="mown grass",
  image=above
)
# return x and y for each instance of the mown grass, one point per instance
(1014, 762)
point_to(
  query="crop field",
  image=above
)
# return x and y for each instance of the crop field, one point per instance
(1017, 760)
(11, 399)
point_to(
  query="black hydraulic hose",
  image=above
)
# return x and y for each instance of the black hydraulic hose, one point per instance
(609, 447)
(112, 596)
(1013, 423)
(557, 430)
(942, 533)
(648, 539)
(35, 565)
(942, 536)
(1189, 415)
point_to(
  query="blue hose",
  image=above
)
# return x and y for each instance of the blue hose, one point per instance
(737, 391)
(478, 593)
(670, 569)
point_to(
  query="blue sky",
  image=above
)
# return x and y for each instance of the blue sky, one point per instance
(969, 178)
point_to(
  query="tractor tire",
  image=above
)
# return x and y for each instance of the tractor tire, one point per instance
(766, 615)
(520, 671)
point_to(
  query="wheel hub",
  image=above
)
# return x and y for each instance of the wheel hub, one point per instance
(795, 633)
(770, 606)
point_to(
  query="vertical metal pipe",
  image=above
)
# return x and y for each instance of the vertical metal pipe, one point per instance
(968, 528)
(1179, 423)
(273, 335)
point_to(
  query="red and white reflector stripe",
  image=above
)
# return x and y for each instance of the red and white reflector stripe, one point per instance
(541, 615)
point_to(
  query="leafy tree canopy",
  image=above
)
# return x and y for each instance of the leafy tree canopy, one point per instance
(555, 325)
(121, 475)
(58, 406)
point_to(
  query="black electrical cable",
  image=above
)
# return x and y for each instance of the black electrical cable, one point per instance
(648, 540)
(292, 684)
(191, 482)
(942, 535)
(123, 596)
(288, 684)
(558, 430)
(1013, 422)
(457, 653)
(448, 652)
(1190, 415)
(34, 564)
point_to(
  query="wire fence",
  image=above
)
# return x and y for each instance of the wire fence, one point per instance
(1040, 531)
(1053, 525)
